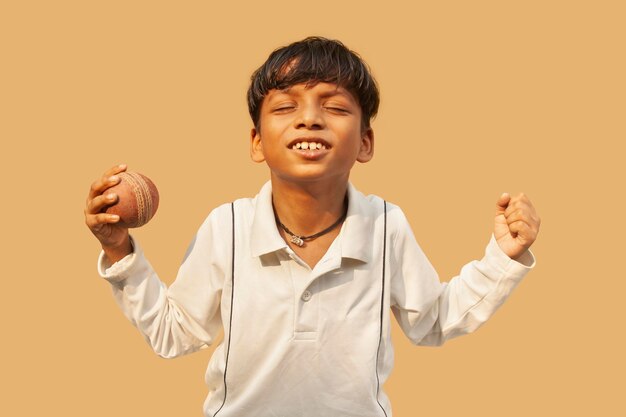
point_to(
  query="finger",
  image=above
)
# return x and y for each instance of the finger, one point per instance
(519, 202)
(99, 203)
(523, 212)
(519, 197)
(516, 214)
(525, 234)
(502, 203)
(515, 228)
(531, 219)
(108, 179)
(99, 186)
(93, 221)
(115, 170)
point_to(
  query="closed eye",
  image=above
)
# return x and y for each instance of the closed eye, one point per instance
(337, 109)
(283, 109)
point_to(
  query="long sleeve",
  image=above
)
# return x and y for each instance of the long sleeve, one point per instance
(186, 316)
(430, 312)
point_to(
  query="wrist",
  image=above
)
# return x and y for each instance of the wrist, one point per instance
(117, 252)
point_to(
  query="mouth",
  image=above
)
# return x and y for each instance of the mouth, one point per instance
(310, 144)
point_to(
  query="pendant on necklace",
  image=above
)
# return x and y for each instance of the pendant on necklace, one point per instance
(297, 240)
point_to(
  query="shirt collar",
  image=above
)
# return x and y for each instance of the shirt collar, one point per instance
(264, 237)
(355, 238)
(357, 233)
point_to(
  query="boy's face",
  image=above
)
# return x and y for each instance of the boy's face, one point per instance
(311, 133)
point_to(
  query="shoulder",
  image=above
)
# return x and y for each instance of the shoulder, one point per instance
(222, 215)
(397, 223)
(381, 211)
(216, 230)
(241, 210)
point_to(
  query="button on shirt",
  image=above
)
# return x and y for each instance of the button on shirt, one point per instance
(301, 341)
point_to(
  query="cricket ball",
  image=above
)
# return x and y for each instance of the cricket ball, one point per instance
(138, 199)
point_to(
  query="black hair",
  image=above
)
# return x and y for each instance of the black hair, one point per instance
(311, 61)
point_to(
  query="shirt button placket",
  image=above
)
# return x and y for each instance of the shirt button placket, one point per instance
(306, 306)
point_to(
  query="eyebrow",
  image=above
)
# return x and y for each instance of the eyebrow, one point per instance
(339, 91)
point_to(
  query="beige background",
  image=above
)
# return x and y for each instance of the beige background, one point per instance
(477, 98)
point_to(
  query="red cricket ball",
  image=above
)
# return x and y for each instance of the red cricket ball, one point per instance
(138, 199)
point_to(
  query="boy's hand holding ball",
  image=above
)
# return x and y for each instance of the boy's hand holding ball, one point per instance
(516, 224)
(137, 199)
(116, 201)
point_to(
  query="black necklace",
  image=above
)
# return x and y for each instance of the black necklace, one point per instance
(299, 240)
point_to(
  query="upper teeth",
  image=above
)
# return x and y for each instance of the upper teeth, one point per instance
(308, 145)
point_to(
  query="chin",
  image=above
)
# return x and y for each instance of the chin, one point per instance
(312, 176)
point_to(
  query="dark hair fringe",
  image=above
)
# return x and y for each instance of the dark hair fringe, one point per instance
(311, 61)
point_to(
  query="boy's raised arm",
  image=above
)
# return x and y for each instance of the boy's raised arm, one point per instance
(177, 320)
(430, 312)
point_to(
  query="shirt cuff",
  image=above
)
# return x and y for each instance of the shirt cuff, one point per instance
(496, 258)
(119, 270)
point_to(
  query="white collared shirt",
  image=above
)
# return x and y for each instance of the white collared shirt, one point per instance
(301, 341)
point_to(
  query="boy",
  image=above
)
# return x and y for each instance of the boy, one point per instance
(303, 276)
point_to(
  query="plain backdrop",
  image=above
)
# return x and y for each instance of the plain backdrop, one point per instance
(478, 98)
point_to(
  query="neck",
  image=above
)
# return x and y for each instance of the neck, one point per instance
(310, 207)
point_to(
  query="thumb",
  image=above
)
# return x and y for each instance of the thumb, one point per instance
(502, 203)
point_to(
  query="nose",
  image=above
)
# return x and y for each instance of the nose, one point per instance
(309, 117)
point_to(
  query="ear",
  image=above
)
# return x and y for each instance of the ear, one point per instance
(366, 152)
(256, 146)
